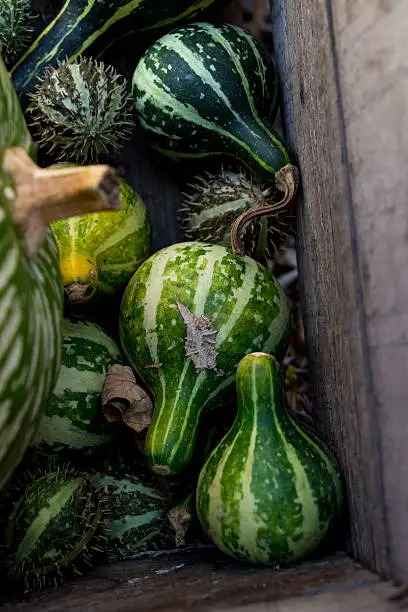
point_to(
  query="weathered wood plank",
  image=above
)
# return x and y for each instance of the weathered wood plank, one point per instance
(207, 580)
(344, 69)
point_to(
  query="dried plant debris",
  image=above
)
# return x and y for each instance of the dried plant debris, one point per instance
(200, 339)
(124, 400)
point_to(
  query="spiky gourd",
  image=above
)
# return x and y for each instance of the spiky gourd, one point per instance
(188, 315)
(82, 23)
(73, 419)
(31, 293)
(215, 201)
(81, 111)
(99, 252)
(15, 29)
(135, 507)
(205, 90)
(52, 528)
(269, 492)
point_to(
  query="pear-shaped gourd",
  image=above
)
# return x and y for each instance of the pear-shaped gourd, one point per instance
(269, 493)
(31, 294)
(99, 252)
(188, 315)
(205, 90)
(82, 23)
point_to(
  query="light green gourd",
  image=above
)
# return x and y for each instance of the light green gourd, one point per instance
(269, 492)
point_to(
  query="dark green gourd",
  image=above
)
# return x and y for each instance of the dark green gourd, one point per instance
(269, 493)
(81, 23)
(205, 90)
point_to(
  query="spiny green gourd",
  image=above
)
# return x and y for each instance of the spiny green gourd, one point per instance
(215, 201)
(53, 528)
(81, 111)
(81, 23)
(269, 492)
(135, 513)
(31, 293)
(187, 316)
(15, 29)
(73, 419)
(99, 252)
(205, 90)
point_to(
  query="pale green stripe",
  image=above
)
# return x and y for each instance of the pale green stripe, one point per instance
(55, 430)
(248, 526)
(164, 100)
(89, 332)
(45, 516)
(241, 294)
(210, 213)
(123, 486)
(133, 224)
(310, 510)
(181, 433)
(119, 527)
(72, 379)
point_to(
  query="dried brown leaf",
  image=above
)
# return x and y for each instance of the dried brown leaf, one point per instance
(124, 400)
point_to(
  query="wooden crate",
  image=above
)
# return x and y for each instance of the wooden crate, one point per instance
(345, 112)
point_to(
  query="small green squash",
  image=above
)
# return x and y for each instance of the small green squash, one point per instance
(205, 90)
(31, 292)
(73, 419)
(99, 252)
(53, 527)
(188, 315)
(81, 23)
(135, 513)
(269, 493)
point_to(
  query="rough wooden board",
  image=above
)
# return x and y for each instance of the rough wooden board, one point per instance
(345, 72)
(372, 53)
(370, 598)
(204, 580)
(331, 290)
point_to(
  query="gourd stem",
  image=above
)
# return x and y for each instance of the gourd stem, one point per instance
(42, 196)
(286, 180)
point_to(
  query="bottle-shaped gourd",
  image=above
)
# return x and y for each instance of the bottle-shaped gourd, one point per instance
(188, 315)
(269, 493)
(205, 90)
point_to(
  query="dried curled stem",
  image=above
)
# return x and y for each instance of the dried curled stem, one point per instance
(286, 180)
(41, 196)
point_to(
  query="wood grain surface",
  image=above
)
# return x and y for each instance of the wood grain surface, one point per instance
(343, 66)
(208, 581)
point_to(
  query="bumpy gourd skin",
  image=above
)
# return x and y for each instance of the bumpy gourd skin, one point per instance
(204, 90)
(269, 493)
(236, 296)
(81, 23)
(31, 298)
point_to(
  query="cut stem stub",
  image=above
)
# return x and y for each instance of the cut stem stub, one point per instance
(41, 196)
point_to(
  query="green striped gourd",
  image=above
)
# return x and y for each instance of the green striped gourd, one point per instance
(135, 519)
(73, 419)
(53, 527)
(30, 307)
(80, 23)
(269, 493)
(188, 315)
(31, 294)
(205, 90)
(99, 252)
